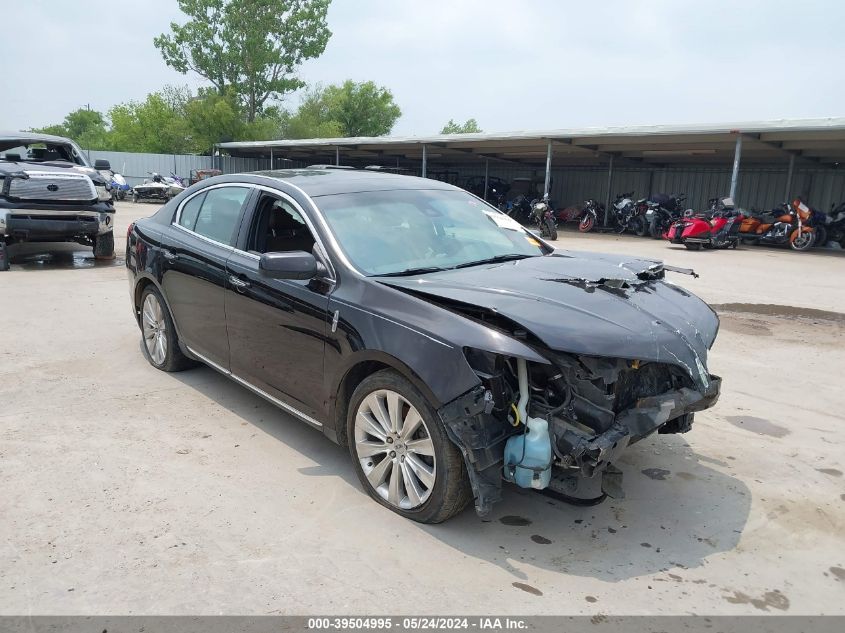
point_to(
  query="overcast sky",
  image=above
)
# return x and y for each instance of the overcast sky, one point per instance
(512, 65)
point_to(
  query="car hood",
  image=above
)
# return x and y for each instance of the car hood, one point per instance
(584, 303)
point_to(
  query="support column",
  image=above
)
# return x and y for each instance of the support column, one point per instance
(486, 169)
(609, 189)
(735, 172)
(271, 159)
(337, 155)
(789, 179)
(548, 168)
(424, 162)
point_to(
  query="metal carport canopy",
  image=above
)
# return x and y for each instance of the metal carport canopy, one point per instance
(820, 142)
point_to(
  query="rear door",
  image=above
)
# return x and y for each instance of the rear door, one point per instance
(277, 327)
(194, 267)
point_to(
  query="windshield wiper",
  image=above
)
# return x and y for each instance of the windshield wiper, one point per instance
(412, 271)
(494, 260)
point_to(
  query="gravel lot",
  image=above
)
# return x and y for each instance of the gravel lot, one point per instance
(130, 491)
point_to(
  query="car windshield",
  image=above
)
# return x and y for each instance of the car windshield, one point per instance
(38, 152)
(416, 231)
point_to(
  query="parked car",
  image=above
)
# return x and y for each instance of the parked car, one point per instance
(201, 174)
(50, 193)
(447, 347)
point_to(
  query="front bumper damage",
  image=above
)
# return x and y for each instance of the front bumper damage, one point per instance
(583, 470)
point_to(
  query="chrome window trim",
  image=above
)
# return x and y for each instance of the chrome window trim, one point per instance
(279, 403)
(332, 272)
(178, 216)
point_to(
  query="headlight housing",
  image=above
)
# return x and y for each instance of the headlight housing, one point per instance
(103, 193)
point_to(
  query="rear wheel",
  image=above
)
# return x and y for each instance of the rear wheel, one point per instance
(401, 452)
(160, 343)
(4, 255)
(104, 246)
(551, 228)
(692, 246)
(820, 237)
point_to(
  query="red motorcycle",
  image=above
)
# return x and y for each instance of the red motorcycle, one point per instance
(719, 228)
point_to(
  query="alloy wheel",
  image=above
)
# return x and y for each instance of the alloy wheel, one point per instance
(395, 450)
(154, 329)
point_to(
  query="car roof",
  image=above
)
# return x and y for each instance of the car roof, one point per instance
(32, 137)
(317, 181)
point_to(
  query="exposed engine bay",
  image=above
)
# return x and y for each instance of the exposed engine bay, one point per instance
(561, 426)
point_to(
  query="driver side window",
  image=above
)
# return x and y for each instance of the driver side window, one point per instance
(279, 227)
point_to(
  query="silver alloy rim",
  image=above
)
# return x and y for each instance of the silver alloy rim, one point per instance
(394, 449)
(155, 329)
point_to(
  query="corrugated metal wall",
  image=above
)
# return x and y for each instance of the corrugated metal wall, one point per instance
(136, 167)
(757, 188)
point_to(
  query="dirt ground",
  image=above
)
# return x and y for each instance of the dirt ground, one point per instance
(126, 490)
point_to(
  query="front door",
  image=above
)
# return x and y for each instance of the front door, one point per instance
(193, 264)
(277, 327)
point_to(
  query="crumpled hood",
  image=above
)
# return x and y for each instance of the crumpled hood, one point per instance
(587, 303)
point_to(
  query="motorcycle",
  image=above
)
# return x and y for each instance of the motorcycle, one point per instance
(836, 225)
(787, 225)
(628, 215)
(718, 228)
(586, 217)
(519, 209)
(662, 211)
(542, 215)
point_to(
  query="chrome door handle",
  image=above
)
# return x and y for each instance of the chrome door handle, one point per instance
(239, 284)
(169, 255)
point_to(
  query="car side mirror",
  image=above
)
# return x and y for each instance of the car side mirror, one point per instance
(102, 165)
(288, 265)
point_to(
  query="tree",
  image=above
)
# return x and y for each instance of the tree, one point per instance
(470, 126)
(250, 46)
(86, 127)
(351, 109)
(212, 118)
(156, 125)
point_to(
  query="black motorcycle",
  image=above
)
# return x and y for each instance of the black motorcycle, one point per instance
(663, 210)
(543, 216)
(836, 225)
(519, 209)
(628, 215)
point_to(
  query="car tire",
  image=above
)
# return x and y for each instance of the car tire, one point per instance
(104, 246)
(391, 476)
(159, 341)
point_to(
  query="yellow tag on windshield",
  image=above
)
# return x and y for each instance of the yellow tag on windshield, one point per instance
(532, 241)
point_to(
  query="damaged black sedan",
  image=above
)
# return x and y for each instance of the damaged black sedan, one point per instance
(450, 349)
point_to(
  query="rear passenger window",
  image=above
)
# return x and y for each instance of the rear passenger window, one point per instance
(219, 213)
(188, 217)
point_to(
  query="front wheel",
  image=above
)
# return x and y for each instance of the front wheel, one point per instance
(821, 236)
(401, 453)
(104, 246)
(802, 241)
(655, 229)
(588, 221)
(692, 246)
(551, 229)
(638, 226)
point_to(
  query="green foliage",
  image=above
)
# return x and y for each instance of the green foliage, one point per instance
(157, 125)
(252, 47)
(470, 126)
(86, 127)
(351, 109)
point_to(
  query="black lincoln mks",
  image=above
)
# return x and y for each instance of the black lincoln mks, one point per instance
(448, 347)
